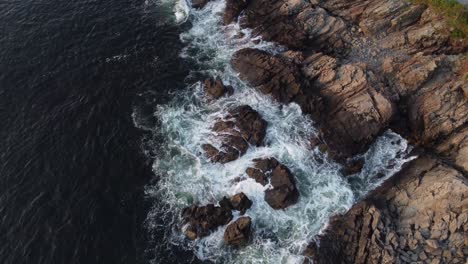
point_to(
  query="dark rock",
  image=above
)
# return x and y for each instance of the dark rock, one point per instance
(233, 10)
(278, 77)
(357, 108)
(200, 221)
(240, 202)
(198, 4)
(353, 167)
(241, 127)
(214, 88)
(283, 192)
(238, 233)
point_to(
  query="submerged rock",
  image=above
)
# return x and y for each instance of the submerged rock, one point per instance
(283, 192)
(241, 127)
(238, 233)
(215, 89)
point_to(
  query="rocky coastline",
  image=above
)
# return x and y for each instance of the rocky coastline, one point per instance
(358, 68)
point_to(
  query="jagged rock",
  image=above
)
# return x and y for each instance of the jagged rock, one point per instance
(294, 23)
(352, 167)
(233, 10)
(418, 215)
(283, 192)
(277, 77)
(357, 110)
(200, 221)
(239, 202)
(438, 110)
(238, 233)
(215, 89)
(455, 149)
(198, 4)
(241, 127)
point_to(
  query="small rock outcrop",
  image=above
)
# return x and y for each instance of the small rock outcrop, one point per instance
(237, 233)
(215, 89)
(241, 127)
(239, 202)
(200, 221)
(283, 192)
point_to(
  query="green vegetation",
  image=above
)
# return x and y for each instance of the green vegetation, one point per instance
(456, 13)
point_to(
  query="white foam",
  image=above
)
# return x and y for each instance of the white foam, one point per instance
(188, 177)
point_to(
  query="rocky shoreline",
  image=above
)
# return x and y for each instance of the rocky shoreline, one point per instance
(358, 68)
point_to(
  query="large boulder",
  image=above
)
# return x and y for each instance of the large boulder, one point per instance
(283, 191)
(418, 216)
(215, 89)
(241, 127)
(278, 77)
(233, 10)
(238, 233)
(200, 221)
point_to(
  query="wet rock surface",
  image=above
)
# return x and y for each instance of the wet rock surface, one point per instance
(242, 126)
(215, 89)
(200, 221)
(238, 232)
(283, 191)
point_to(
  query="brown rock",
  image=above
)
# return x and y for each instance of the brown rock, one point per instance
(277, 77)
(357, 109)
(233, 10)
(238, 233)
(240, 202)
(399, 220)
(296, 24)
(198, 4)
(200, 221)
(283, 192)
(241, 127)
(215, 89)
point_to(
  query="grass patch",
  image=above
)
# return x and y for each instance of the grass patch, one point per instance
(456, 14)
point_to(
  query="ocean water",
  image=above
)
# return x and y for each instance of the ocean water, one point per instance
(185, 176)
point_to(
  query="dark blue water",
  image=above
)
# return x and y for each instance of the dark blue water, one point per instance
(72, 169)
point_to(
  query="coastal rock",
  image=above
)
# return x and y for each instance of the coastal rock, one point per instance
(215, 89)
(200, 221)
(455, 149)
(294, 23)
(198, 4)
(283, 191)
(233, 10)
(401, 223)
(238, 233)
(357, 108)
(438, 110)
(241, 127)
(240, 202)
(278, 77)
(353, 166)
